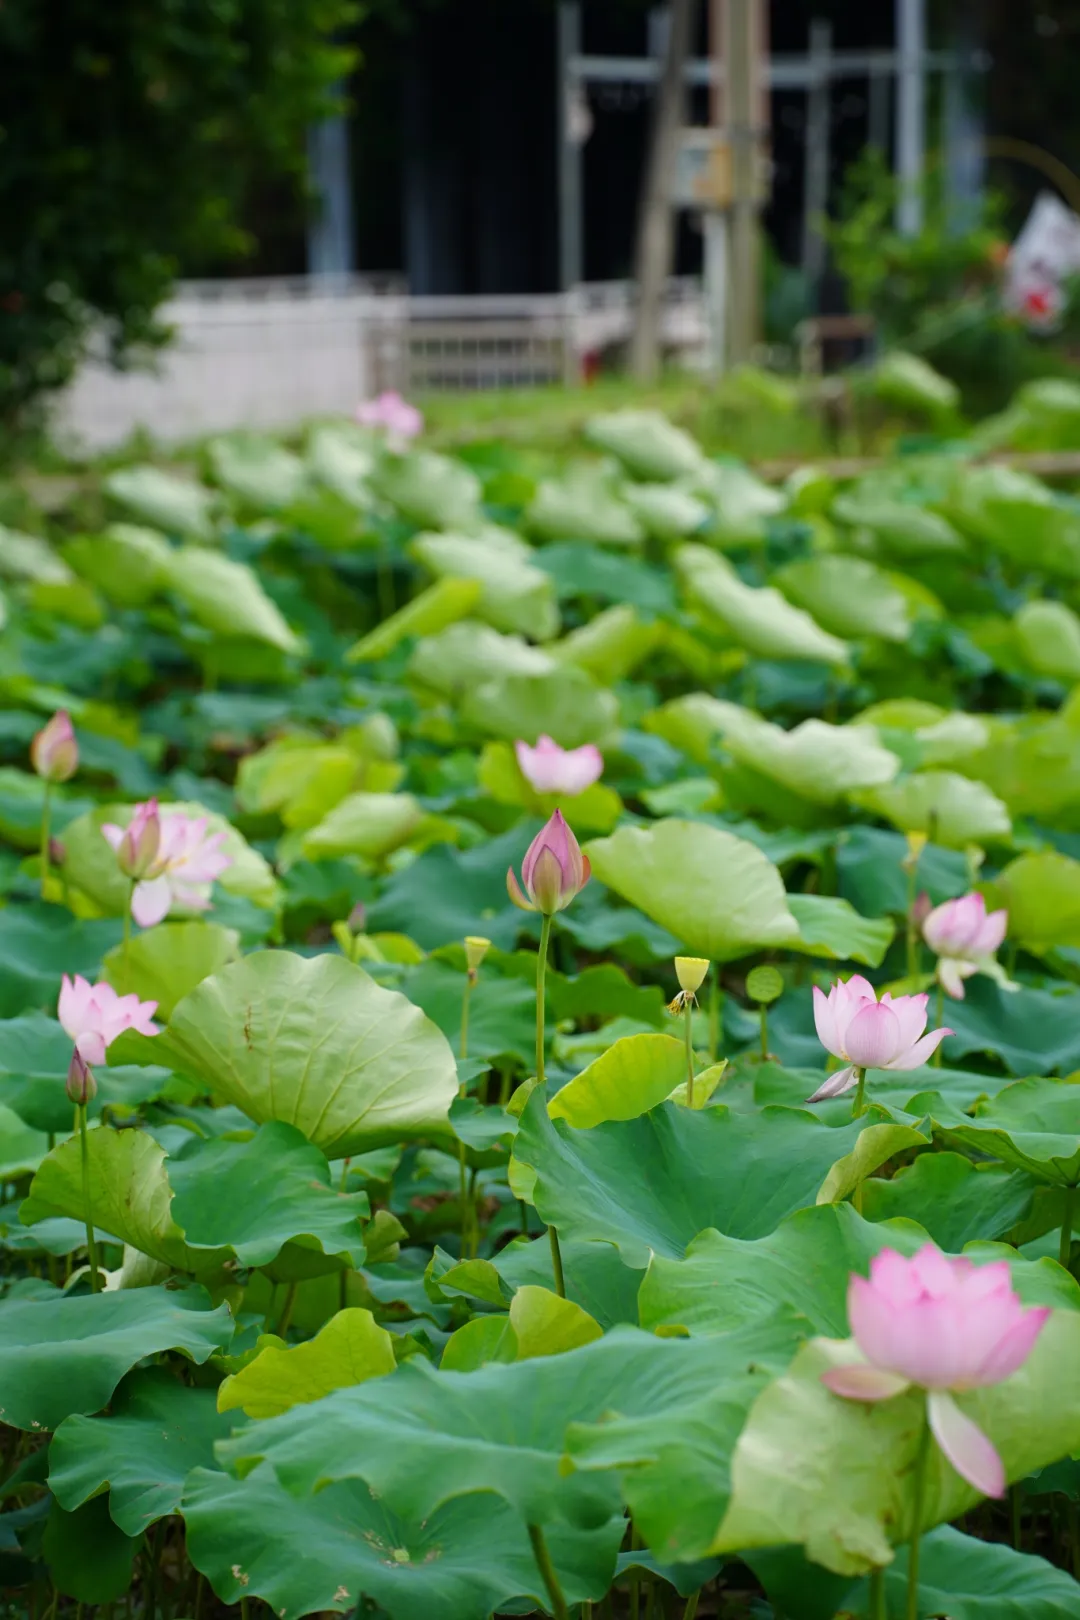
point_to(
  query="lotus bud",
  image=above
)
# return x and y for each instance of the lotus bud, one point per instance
(54, 753)
(138, 848)
(476, 948)
(553, 872)
(358, 918)
(57, 852)
(81, 1085)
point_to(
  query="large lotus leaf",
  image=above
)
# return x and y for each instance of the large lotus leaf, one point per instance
(22, 1148)
(316, 1043)
(831, 928)
(430, 490)
(910, 383)
(847, 596)
(757, 618)
(1031, 1031)
(967, 1578)
(565, 704)
(1016, 515)
(156, 1432)
(261, 474)
(646, 443)
(22, 798)
(583, 506)
(1032, 763)
(88, 1557)
(632, 1076)
(515, 596)
(950, 809)
(366, 824)
(817, 761)
(28, 557)
(596, 1278)
(611, 645)
(939, 737)
(90, 862)
(175, 504)
(34, 1058)
(62, 1355)
(463, 1562)
(297, 767)
(223, 1200)
(502, 1011)
(836, 1476)
(440, 605)
(350, 1349)
(131, 565)
(1033, 1125)
(903, 530)
(455, 659)
(226, 597)
(717, 893)
(871, 877)
(741, 501)
(697, 721)
(1048, 635)
(446, 894)
(667, 513)
(650, 1185)
(583, 570)
(955, 1201)
(165, 962)
(341, 456)
(1041, 893)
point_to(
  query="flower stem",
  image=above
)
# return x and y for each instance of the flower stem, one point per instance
(88, 1212)
(463, 1048)
(764, 1014)
(1066, 1227)
(553, 1236)
(127, 933)
(936, 1059)
(714, 1014)
(858, 1107)
(912, 889)
(922, 1456)
(688, 1024)
(46, 806)
(877, 1609)
(547, 1570)
(286, 1310)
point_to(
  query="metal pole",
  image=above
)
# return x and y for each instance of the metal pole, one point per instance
(816, 155)
(330, 228)
(878, 114)
(568, 50)
(910, 113)
(965, 160)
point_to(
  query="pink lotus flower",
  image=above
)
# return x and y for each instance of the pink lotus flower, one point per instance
(393, 416)
(965, 938)
(550, 769)
(554, 870)
(943, 1325)
(870, 1034)
(93, 1015)
(183, 870)
(54, 753)
(138, 843)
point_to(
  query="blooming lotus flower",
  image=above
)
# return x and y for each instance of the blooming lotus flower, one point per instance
(965, 937)
(554, 870)
(93, 1015)
(137, 844)
(392, 415)
(870, 1034)
(184, 868)
(550, 769)
(943, 1325)
(54, 753)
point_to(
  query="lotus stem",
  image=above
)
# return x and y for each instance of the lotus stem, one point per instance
(1065, 1251)
(912, 940)
(286, 1310)
(878, 1610)
(764, 1011)
(922, 1457)
(691, 1605)
(463, 1049)
(688, 1026)
(88, 1211)
(541, 976)
(714, 1014)
(547, 1570)
(858, 1107)
(936, 1059)
(46, 806)
(127, 933)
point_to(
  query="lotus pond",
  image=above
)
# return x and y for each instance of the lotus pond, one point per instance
(382, 1234)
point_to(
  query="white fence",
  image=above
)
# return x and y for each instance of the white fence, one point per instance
(271, 354)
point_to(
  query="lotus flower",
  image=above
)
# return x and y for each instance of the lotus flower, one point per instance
(81, 1086)
(139, 842)
(54, 753)
(550, 769)
(965, 938)
(943, 1325)
(183, 871)
(93, 1015)
(870, 1034)
(554, 870)
(393, 416)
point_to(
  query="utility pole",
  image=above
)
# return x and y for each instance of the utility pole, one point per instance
(743, 50)
(656, 221)
(910, 113)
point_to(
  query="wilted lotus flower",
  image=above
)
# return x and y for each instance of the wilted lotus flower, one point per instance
(554, 870)
(550, 769)
(965, 939)
(93, 1015)
(394, 416)
(690, 972)
(184, 868)
(943, 1325)
(138, 843)
(54, 753)
(870, 1034)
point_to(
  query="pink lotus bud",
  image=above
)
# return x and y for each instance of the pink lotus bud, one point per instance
(867, 1033)
(57, 852)
(358, 918)
(399, 420)
(921, 908)
(941, 1324)
(964, 938)
(550, 769)
(554, 870)
(54, 753)
(138, 844)
(81, 1085)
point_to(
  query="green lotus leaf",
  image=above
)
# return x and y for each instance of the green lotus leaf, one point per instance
(1041, 893)
(515, 596)
(646, 443)
(341, 456)
(1014, 514)
(950, 809)
(903, 530)
(583, 505)
(566, 704)
(455, 659)
(1033, 1125)
(88, 1557)
(442, 604)
(757, 618)
(1048, 635)
(430, 490)
(366, 824)
(1032, 1031)
(350, 1349)
(665, 511)
(741, 501)
(22, 1148)
(817, 761)
(164, 963)
(545, 1325)
(177, 505)
(632, 1076)
(131, 565)
(33, 1074)
(952, 1199)
(1032, 763)
(910, 383)
(971, 1579)
(830, 927)
(611, 645)
(262, 475)
(848, 596)
(226, 597)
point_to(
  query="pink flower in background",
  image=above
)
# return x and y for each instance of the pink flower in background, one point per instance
(965, 937)
(550, 769)
(870, 1034)
(137, 844)
(943, 1325)
(554, 870)
(182, 874)
(54, 753)
(392, 415)
(93, 1015)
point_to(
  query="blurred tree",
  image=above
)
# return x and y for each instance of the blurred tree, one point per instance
(130, 134)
